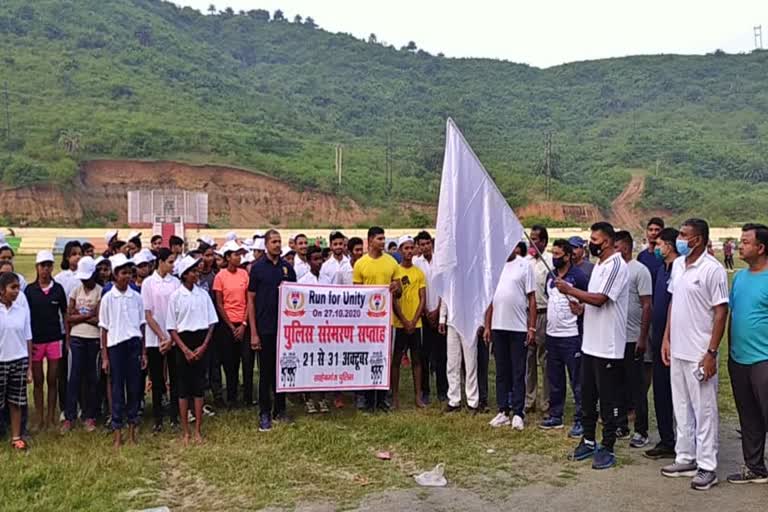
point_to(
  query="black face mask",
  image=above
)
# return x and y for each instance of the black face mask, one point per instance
(558, 262)
(595, 250)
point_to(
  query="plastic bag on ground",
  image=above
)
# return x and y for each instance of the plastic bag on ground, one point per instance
(432, 478)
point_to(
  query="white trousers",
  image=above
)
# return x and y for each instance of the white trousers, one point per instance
(456, 348)
(696, 415)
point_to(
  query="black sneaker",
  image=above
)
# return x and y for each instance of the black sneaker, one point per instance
(660, 451)
(473, 411)
(747, 476)
(450, 409)
(622, 434)
(483, 407)
(283, 417)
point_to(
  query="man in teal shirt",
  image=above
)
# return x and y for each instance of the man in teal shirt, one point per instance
(748, 362)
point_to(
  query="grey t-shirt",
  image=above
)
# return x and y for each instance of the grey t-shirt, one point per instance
(640, 285)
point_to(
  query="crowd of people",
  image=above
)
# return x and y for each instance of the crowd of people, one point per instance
(162, 322)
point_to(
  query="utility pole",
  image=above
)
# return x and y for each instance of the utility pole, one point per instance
(548, 164)
(339, 161)
(7, 113)
(758, 37)
(389, 162)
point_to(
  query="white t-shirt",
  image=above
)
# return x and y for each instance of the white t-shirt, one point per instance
(300, 267)
(696, 290)
(122, 315)
(15, 330)
(332, 267)
(640, 285)
(310, 278)
(510, 302)
(156, 291)
(561, 322)
(433, 300)
(605, 328)
(190, 310)
(68, 281)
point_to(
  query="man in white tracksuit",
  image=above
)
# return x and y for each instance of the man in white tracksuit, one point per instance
(697, 318)
(457, 346)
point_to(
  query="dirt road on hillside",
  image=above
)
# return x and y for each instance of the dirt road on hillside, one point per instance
(623, 212)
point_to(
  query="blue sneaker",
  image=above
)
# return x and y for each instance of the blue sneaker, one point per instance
(576, 431)
(584, 451)
(551, 423)
(603, 459)
(265, 423)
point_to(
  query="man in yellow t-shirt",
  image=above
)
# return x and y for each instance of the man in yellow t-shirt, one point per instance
(377, 268)
(407, 320)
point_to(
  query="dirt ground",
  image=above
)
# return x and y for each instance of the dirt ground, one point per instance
(634, 486)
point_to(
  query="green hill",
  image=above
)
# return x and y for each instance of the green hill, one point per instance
(147, 79)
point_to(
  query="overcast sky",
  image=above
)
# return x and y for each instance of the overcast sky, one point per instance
(543, 33)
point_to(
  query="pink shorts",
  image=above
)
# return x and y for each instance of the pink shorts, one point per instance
(50, 351)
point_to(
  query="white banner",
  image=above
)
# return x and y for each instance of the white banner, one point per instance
(333, 338)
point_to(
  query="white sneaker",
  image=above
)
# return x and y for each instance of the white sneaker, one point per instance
(501, 420)
(518, 423)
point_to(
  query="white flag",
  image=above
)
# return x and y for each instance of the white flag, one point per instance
(476, 232)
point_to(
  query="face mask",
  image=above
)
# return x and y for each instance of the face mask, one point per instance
(558, 262)
(657, 253)
(595, 250)
(682, 247)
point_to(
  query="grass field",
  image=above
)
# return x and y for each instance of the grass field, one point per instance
(319, 459)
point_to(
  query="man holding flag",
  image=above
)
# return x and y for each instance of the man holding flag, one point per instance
(476, 231)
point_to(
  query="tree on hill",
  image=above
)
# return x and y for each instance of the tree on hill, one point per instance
(259, 14)
(70, 141)
(298, 19)
(212, 9)
(278, 16)
(372, 39)
(411, 46)
(310, 22)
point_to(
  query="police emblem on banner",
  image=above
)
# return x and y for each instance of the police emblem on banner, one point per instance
(377, 305)
(294, 304)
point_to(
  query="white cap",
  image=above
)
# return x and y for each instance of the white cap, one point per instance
(207, 240)
(86, 267)
(231, 236)
(258, 245)
(144, 256)
(247, 258)
(109, 236)
(286, 250)
(44, 257)
(231, 246)
(134, 234)
(119, 260)
(403, 239)
(248, 244)
(100, 260)
(187, 263)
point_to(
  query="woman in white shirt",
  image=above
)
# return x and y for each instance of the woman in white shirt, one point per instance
(190, 320)
(156, 290)
(15, 347)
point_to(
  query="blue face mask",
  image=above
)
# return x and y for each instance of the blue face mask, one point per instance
(682, 247)
(657, 253)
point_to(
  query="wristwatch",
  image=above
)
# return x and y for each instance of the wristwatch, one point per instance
(711, 352)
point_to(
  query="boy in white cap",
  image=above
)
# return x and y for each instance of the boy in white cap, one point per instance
(121, 318)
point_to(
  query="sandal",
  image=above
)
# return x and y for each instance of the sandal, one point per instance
(19, 445)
